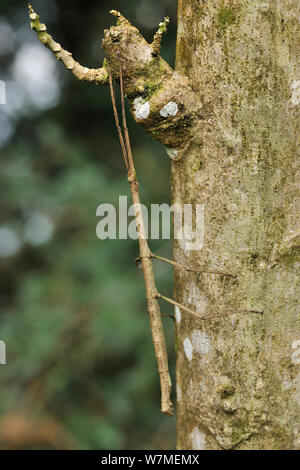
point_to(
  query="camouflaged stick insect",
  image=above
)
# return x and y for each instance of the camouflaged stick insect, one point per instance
(158, 336)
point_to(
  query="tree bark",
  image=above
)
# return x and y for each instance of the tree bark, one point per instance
(238, 378)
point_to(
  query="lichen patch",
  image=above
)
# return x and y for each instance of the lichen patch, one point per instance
(177, 314)
(296, 353)
(296, 394)
(172, 153)
(178, 393)
(286, 385)
(141, 109)
(198, 440)
(188, 348)
(171, 109)
(296, 92)
(201, 342)
(265, 6)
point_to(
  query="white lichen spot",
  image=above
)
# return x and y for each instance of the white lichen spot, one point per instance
(172, 153)
(85, 70)
(296, 443)
(193, 294)
(200, 303)
(178, 393)
(141, 109)
(263, 265)
(177, 314)
(265, 6)
(137, 102)
(188, 348)
(201, 342)
(259, 384)
(296, 394)
(296, 354)
(190, 390)
(171, 109)
(198, 440)
(231, 136)
(296, 92)
(286, 385)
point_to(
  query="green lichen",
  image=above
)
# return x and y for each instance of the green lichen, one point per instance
(227, 391)
(226, 16)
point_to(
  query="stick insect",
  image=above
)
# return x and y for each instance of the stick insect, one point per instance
(146, 257)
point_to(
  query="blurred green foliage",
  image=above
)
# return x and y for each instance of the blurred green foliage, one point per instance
(81, 370)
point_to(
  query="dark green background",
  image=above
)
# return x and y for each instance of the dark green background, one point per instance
(81, 370)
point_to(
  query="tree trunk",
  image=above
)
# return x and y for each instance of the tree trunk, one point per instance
(238, 378)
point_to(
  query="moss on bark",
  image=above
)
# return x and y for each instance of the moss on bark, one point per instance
(242, 163)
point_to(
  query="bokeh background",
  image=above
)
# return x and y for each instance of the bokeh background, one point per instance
(81, 372)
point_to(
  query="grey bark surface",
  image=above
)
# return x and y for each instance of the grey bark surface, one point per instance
(238, 378)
